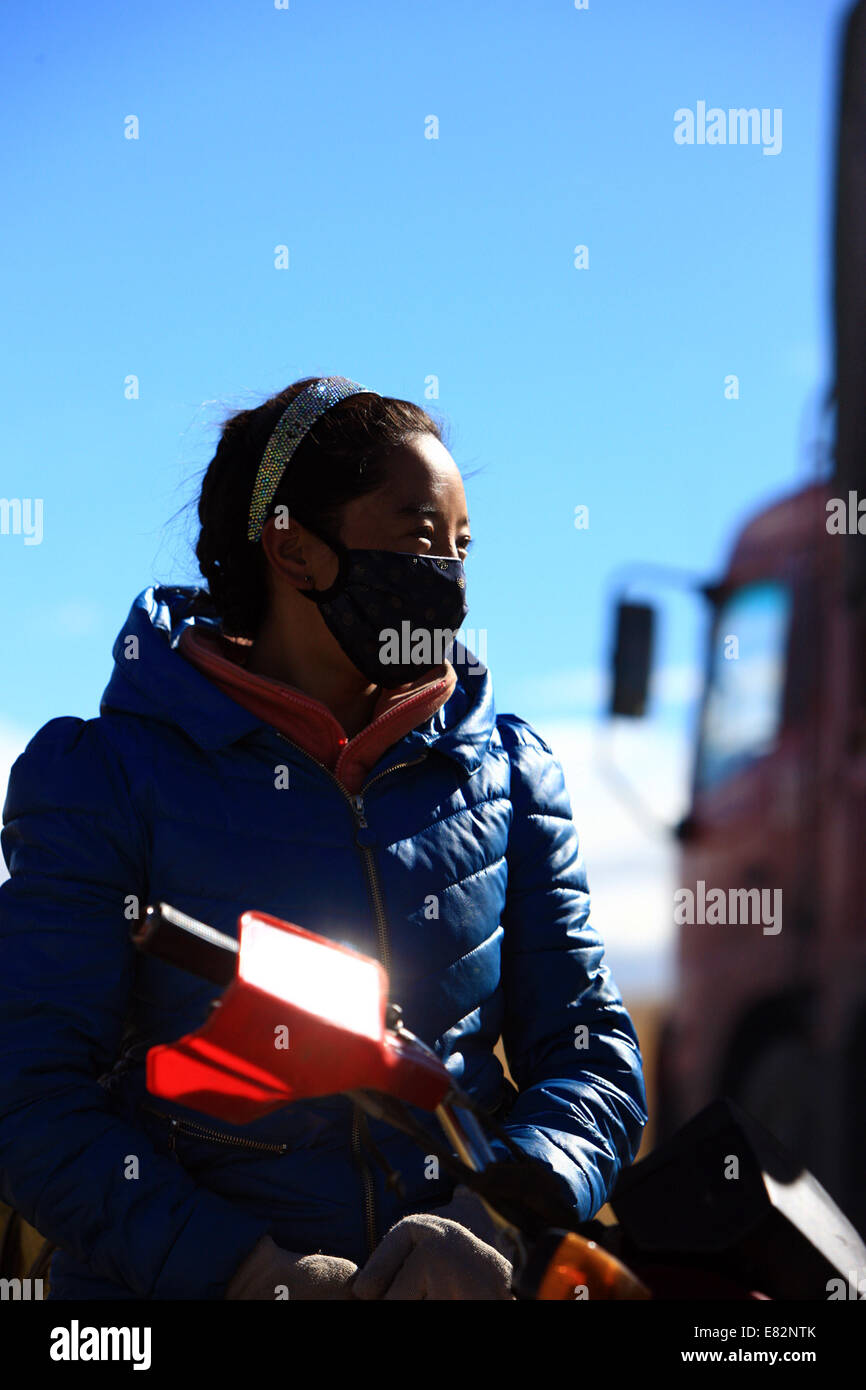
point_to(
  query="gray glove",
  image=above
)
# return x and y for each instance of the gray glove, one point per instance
(269, 1269)
(432, 1256)
(467, 1208)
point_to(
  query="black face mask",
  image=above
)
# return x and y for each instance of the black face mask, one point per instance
(394, 614)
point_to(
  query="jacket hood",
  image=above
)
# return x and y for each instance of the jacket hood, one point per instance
(153, 680)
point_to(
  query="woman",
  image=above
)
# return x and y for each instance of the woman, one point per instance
(270, 743)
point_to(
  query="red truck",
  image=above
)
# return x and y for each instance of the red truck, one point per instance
(769, 1003)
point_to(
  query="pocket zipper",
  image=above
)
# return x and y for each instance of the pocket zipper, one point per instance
(196, 1131)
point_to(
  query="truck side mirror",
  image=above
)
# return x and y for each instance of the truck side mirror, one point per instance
(632, 658)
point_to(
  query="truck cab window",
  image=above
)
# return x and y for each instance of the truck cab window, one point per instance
(744, 700)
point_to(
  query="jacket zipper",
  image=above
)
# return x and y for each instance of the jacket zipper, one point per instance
(357, 804)
(373, 882)
(197, 1131)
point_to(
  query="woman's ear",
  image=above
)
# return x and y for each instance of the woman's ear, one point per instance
(296, 556)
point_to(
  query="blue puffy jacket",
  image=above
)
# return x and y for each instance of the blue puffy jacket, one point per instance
(170, 795)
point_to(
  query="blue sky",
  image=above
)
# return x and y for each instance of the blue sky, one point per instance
(409, 258)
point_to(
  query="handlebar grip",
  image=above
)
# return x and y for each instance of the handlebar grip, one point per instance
(180, 940)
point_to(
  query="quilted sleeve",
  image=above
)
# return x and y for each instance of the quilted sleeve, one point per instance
(571, 1045)
(75, 850)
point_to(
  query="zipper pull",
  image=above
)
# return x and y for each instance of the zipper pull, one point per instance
(172, 1141)
(365, 838)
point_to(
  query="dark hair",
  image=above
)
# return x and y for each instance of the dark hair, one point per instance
(341, 457)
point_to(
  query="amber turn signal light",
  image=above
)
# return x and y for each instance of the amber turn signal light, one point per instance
(581, 1269)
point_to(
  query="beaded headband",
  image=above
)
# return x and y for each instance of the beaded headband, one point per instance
(296, 419)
